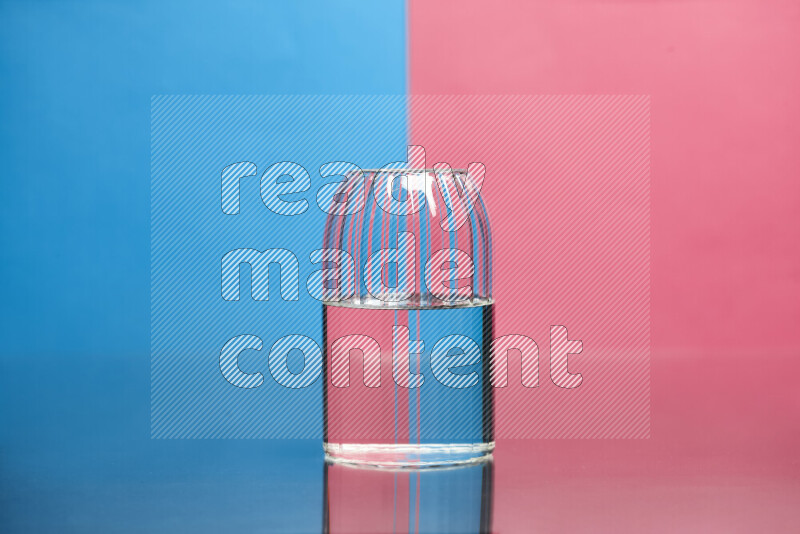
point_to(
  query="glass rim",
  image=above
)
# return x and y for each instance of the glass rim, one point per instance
(404, 171)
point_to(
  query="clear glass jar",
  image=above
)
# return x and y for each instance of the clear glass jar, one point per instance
(408, 319)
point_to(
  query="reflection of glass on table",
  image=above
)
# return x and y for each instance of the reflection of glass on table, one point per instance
(435, 500)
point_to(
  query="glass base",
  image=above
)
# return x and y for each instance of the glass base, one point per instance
(408, 456)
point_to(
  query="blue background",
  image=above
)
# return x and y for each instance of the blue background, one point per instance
(193, 140)
(76, 80)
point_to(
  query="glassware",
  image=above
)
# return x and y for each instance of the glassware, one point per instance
(407, 293)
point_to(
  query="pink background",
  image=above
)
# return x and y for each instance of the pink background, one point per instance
(568, 194)
(725, 286)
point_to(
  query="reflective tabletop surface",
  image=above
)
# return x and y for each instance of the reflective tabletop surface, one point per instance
(704, 469)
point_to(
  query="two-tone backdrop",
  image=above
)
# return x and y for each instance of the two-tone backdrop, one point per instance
(641, 184)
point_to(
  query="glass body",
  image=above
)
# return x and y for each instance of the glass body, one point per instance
(408, 319)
